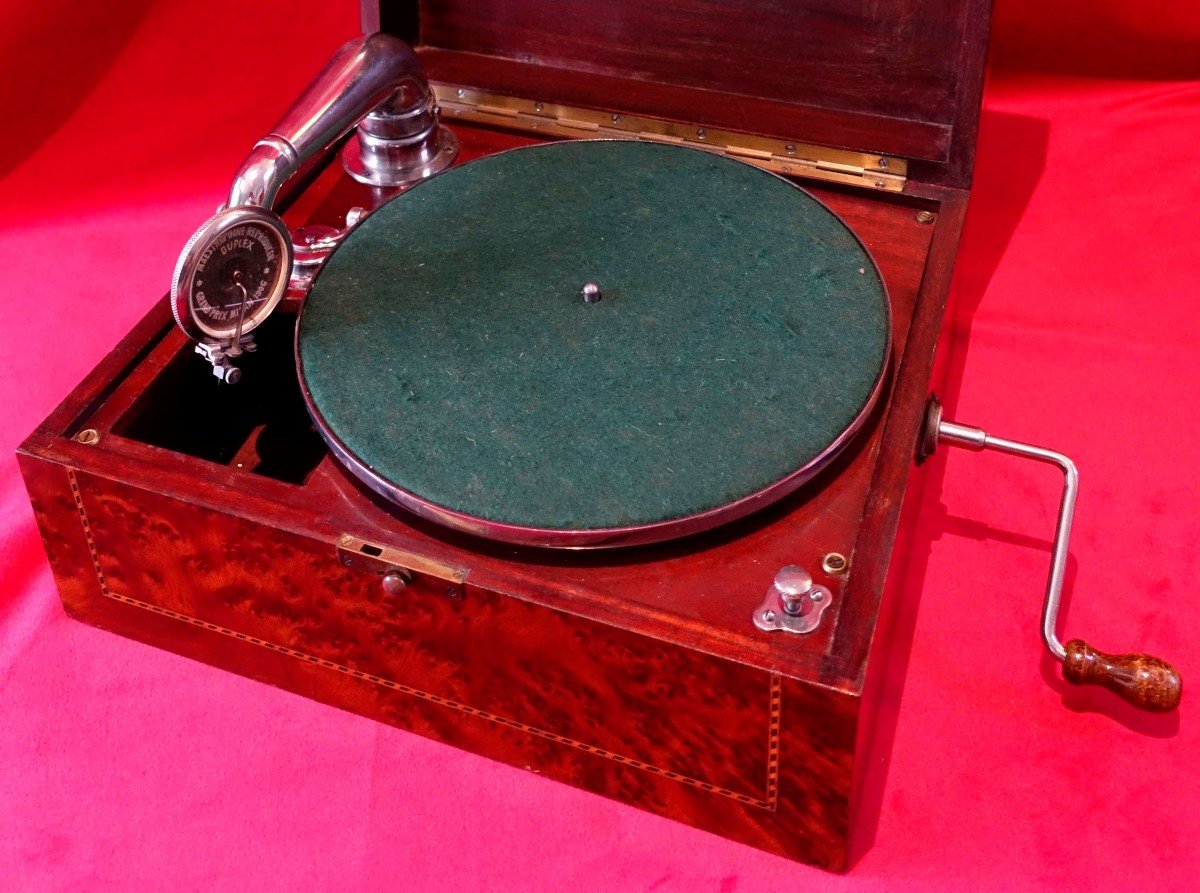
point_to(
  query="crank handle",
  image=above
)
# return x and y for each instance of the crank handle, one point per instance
(1141, 679)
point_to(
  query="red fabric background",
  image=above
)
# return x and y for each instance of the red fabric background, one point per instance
(1103, 38)
(1074, 324)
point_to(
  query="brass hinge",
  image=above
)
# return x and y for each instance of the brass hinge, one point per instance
(781, 156)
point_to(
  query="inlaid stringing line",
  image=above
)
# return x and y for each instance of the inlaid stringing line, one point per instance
(773, 741)
(775, 702)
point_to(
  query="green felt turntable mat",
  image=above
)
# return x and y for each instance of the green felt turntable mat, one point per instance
(741, 330)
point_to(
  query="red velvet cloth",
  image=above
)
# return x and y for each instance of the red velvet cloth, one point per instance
(1104, 38)
(1074, 325)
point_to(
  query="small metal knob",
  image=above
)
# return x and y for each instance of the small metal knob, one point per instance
(793, 602)
(227, 373)
(591, 293)
(794, 586)
(395, 582)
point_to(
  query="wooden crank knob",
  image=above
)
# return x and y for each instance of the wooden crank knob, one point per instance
(1143, 680)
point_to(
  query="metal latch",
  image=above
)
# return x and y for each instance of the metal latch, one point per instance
(397, 568)
(866, 169)
(793, 603)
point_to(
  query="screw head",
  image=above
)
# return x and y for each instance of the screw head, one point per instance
(926, 217)
(88, 436)
(769, 616)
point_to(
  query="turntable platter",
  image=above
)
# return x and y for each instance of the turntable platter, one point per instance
(594, 343)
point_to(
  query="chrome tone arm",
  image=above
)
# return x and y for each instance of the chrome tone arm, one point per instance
(374, 82)
(1143, 680)
(363, 75)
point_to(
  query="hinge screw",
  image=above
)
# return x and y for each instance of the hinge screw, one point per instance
(926, 217)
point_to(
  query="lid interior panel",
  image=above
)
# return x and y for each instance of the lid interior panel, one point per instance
(900, 78)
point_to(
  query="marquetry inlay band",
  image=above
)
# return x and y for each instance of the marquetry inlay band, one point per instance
(769, 802)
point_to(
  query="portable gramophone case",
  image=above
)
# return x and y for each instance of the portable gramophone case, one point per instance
(530, 459)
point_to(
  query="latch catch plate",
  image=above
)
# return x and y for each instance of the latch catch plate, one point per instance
(380, 560)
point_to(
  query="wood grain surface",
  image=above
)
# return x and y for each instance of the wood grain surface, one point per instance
(1141, 679)
(895, 78)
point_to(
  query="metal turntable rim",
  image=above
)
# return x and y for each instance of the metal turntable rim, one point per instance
(613, 535)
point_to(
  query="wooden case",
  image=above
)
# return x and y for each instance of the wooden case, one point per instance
(213, 522)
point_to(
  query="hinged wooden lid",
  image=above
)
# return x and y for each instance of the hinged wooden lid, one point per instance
(900, 78)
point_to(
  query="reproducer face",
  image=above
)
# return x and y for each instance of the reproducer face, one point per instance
(232, 274)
